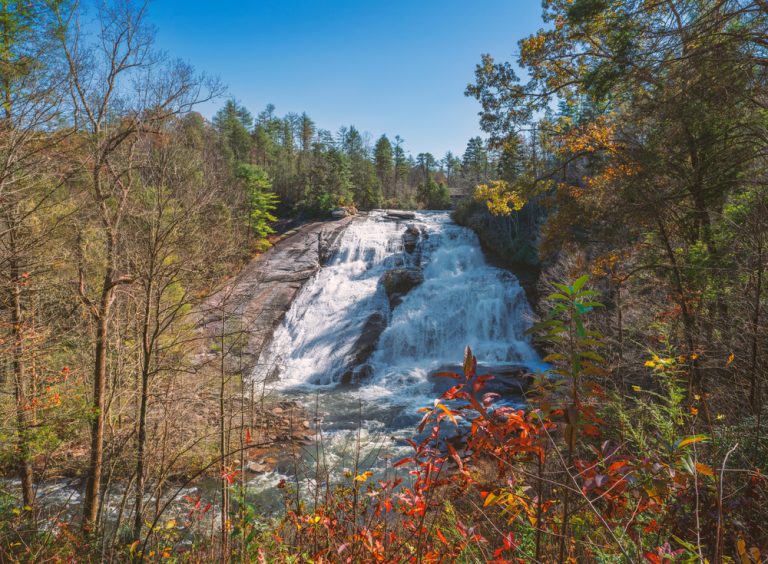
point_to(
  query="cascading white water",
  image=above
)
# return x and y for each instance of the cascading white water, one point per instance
(327, 316)
(463, 301)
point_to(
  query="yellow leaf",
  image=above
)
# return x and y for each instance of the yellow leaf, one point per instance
(448, 413)
(741, 547)
(489, 499)
(730, 359)
(650, 364)
(692, 439)
(364, 476)
(636, 388)
(170, 524)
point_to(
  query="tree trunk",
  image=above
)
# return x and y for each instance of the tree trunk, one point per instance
(144, 400)
(754, 392)
(23, 406)
(93, 483)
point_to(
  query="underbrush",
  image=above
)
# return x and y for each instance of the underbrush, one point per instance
(588, 473)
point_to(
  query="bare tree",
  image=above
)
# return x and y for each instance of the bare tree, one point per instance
(121, 90)
(30, 178)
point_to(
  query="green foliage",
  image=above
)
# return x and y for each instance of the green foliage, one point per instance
(385, 164)
(261, 200)
(653, 419)
(434, 196)
(233, 122)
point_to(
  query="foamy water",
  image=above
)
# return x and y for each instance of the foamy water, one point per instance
(463, 301)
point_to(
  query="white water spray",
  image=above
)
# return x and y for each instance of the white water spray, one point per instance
(463, 301)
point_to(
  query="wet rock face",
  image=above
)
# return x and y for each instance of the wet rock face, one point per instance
(411, 239)
(400, 281)
(363, 349)
(265, 289)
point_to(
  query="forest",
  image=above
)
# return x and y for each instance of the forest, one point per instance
(623, 179)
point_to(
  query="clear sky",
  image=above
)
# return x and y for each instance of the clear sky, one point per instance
(394, 67)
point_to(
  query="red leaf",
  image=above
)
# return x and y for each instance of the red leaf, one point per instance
(442, 537)
(403, 461)
(451, 393)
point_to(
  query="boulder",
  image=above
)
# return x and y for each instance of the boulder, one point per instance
(257, 467)
(508, 380)
(355, 375)
(400, 281)
(339, 213)
(411, 239)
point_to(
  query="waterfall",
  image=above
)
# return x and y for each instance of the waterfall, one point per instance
(463, 301)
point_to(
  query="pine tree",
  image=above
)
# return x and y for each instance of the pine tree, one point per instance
(261, 200)
(234, 122)
(385, 166)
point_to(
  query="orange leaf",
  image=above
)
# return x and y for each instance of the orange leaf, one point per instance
(704, 469)
(448, 413)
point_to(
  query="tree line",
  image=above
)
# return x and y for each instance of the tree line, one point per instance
(313, 170)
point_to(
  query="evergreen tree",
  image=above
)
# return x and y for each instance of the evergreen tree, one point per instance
(401, 164)
(234, 122)
(426, 165)
(434, 195)
(452, 166)
(385, 165)
(475, 164)
(261, 200)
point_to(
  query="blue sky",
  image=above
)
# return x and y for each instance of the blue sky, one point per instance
(393, 67)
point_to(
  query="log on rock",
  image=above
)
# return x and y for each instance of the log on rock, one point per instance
(399, 214)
